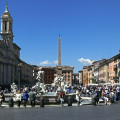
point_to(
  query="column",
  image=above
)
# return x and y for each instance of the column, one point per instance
(8, 26)
(0, 73)
(5, 74)
(2, 26)
(12, 74)
(9, 74)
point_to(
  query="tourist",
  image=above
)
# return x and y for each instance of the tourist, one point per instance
(104, 96)
(61, 96)
(1, 98)
(100, 90)
(51, 89)
(96, 97)
(25, 98)
(117, 92)
(112, 96)
(68, 90)
(88, 92)
(5, 91)
(32, 98)
(84, 90)
(78, 97)
(18, 98)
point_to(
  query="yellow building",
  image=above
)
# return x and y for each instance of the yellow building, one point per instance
(85, 75)
(103, 72)
(81, 76)
(90, 74)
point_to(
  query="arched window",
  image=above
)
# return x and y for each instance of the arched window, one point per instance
(5, 25)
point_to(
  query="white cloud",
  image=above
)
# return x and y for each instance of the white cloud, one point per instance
(55, 62)
(46, 62)
(85, 61)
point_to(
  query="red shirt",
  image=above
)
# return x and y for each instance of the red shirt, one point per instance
(62, 95)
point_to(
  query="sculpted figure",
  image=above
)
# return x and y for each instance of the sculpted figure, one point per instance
(58, 80)
(14, 88)
(39, 87)
(40, 76)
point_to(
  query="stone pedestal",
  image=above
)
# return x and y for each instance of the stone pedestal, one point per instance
(59, 71)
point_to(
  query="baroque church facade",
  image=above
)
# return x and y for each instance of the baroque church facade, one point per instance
(9, 52)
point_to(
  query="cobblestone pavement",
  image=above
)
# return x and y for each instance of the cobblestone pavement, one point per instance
(85, 112)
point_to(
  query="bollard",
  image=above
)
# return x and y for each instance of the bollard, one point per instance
(41, 102)
(69, 101)
(93, 101)
(112, 100)
(0, 103)
(11, 102)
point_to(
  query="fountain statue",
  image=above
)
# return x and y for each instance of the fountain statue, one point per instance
(40, 76)
(60, 83)
(40, 87)
(14, 88)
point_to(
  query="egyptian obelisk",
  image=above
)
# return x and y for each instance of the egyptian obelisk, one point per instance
(59, 51)
(59, 56)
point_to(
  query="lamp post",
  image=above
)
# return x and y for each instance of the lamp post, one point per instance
(19, 70)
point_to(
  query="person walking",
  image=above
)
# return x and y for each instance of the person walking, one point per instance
(96, 97)
(32, 98)
(1, 98)
(61, 96)
(18, 98)
(117, 93)
(78, 97)
(25, 98)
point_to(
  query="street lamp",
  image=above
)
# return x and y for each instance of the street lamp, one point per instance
(19, 70)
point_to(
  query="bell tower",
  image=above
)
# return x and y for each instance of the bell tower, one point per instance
(6, 29)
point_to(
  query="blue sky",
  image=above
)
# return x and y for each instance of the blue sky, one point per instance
(89, 29)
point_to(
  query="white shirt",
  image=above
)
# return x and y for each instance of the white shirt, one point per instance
(118, 89)
(18, 97)
(77, 94)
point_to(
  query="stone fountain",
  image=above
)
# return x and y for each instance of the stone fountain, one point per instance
(60, 84)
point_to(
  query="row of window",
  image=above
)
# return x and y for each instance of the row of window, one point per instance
(64, 72)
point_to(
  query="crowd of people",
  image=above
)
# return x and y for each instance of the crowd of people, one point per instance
(106, 94)
(23, 95)
(109, 94)
(26, 97)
